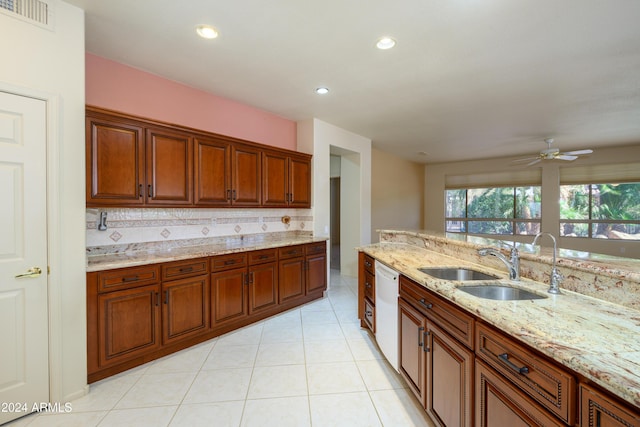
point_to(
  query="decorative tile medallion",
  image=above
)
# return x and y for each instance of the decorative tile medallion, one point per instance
(264, 227)
(165, 233)
(115, 236)
(205, 231)
(237, 228)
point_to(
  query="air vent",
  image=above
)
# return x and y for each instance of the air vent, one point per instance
(33, 11)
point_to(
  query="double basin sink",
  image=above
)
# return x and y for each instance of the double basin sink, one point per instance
(494, 291)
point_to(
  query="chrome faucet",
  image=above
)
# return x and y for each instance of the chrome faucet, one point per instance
(556, 277)
(513, 263)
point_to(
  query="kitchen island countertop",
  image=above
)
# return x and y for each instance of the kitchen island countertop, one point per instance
(595, 338)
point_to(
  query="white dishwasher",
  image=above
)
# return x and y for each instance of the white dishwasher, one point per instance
(387, 312)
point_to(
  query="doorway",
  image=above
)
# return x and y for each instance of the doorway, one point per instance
(334, 223)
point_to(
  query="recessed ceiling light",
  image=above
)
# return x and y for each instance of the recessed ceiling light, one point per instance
(207, 31)
(385, 43)
(322, 90)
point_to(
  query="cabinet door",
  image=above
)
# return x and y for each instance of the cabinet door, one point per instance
(169, 167)
(185, 308)
(263, 287)
(300, 182)
(412, 331)
(599, 410)
(316, 273)
(291, 278)
(115, 163)
(275, 191)
(228, 296)
(246, 176)
(212, 172)
(499, 403)
(128, 324)
(449, 381)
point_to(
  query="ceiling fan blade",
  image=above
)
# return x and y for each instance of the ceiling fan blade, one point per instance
(565, 157)
(577, 152)
(534, 162)
(525, 160)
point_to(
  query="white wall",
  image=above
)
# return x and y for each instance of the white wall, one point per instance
(321, 139)
(397, 193)
(50, 65)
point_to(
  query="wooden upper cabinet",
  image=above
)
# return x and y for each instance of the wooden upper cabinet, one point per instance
(286, 180)
(115, 163)
(139, 162)
(246, 176)
(275, 191)
(300, 182)
(212, 172)
(169, 167)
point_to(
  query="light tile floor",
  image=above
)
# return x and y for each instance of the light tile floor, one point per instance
(310, 366)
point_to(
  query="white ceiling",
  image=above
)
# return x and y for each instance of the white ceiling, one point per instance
(468, 79)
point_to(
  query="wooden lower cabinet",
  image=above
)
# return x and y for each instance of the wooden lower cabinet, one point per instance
(128, 323)
(138, 314)
(449, 397)
(499, 403)
(413, 363)
(228, 296)
(185, 308)
(598, 409)
(291, 273)
(263, 287)
(438, 369)
(315, 267)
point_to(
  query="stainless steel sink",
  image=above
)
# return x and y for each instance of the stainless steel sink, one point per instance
(453, 273)
(500, 292)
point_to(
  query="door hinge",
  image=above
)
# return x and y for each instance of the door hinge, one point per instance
(48, 270)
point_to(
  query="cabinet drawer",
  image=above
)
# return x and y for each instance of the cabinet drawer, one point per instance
(126, 278)
(369, 264)
(181, 269)
(547, 383)
(260, 257)
(369, 285)
(453, 320)
(291, 251)
(315, 248)
(226, 262)
(370, 314)
(600, 409)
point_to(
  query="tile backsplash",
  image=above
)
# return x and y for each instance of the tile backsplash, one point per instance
(133, 225)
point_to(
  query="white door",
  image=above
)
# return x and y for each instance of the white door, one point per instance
(24, 358)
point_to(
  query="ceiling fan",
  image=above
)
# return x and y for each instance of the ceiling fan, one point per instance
(553, 153)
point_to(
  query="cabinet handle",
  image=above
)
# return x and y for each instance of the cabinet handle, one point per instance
(251, 277)
(263, 257)
(186, 269)
(140, 193)
(166, 297)
(230, 262)
(234, 194)
(505, 359)
(368, 313)
(424, 304)
(367, 285)
(228, 194)
(367, 264)
(130, 279)
(157, 299)
(424, 338)
(420, 329)
(150, 190)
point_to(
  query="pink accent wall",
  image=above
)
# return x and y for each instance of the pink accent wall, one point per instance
(116, 86)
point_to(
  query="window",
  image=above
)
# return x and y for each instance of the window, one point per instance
(602, 211)
(495, 210)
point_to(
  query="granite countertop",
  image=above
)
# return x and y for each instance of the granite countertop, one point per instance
(594, 338)
(99, 259)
